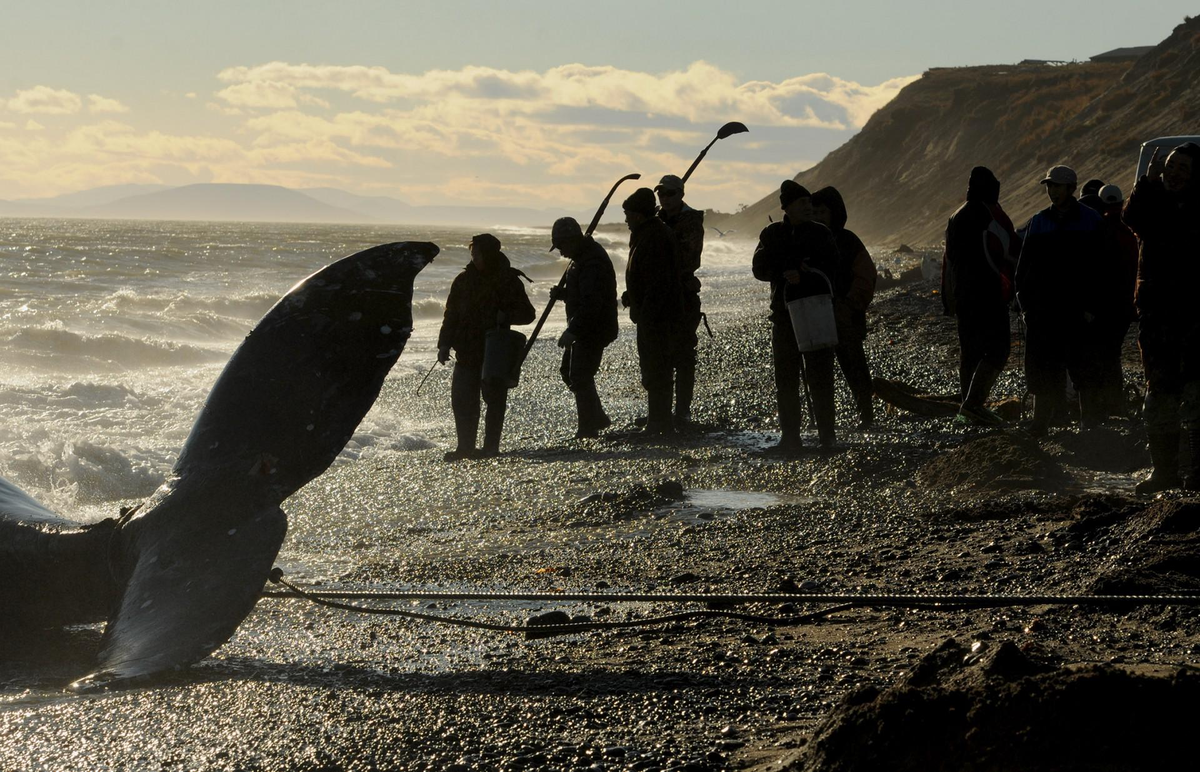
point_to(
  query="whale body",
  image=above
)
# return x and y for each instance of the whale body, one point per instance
(175, 575)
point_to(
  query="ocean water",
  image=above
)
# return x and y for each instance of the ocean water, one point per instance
(112, 333)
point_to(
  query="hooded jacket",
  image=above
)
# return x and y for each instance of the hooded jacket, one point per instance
(982, 247)
(476, 298)
(592, 296)
(855, 276)
(806, 247)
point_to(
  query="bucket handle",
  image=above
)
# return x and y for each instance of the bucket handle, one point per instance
(818, 272)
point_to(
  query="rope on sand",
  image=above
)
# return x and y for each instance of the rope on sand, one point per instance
(843, 602)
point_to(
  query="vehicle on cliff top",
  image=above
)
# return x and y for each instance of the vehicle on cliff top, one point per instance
(1166, 143)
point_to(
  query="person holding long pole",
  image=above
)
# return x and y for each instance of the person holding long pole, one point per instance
(590, 292)
(687, 224)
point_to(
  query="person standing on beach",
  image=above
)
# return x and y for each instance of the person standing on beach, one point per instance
(853, 288)
(1118, 284)
(1055, 282)
(591, 304)
(1164, 211)
(688, 226)
(654, 298)
(797, 256)
(488, 294)
(977, 281)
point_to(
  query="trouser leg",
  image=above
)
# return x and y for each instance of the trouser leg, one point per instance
(1046, 372)
(654, 344)
(970, 353)
(495, 396)
(818, 368)
(786, 358)
(853, 360)
(464, 402)
(685, 365)
(581, 362)
(986, 339)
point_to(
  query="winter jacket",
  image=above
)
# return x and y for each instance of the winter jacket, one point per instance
(807, 247)
(981, 252)
(592, 296)
(688, 226)
(1168, 225)
(476, 297)
(653, 288)
(855, 275)
(1056, 274)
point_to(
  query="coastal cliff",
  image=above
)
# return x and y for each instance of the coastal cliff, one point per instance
(906, 171)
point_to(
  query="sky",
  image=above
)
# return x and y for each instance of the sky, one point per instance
(507, 102)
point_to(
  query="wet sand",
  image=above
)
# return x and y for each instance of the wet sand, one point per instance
(913, 506)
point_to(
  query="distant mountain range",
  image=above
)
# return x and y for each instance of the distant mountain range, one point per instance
(268, 203)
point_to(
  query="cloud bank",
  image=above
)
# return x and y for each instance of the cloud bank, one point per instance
(472, 135)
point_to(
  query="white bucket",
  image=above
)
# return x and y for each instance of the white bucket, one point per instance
(813, 321)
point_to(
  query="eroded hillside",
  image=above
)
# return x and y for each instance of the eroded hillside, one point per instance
(906, 171)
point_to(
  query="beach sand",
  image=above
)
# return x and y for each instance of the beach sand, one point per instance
(915, 506)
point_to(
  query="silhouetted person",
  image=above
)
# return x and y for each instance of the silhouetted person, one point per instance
(1089, 195)
(687, 224)
(591, 304)
(797, 256)
(1055, 283)
(488, 294)
(654, 298)
(853, 288)
(1116, 285)
(1164, 211)
(977, 286)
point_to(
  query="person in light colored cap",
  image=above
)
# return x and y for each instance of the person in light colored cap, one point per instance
(1055, 283)
(590, 295)
(1111, 194)
(688, 226)
(1116, 281)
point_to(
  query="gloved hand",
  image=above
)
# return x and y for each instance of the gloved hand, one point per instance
(443, 355)
(558, 293)
(566, 339)
(625, 299)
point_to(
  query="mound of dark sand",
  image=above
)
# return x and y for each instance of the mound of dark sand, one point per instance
(999, 461)
(1154, 548)
(992, 707)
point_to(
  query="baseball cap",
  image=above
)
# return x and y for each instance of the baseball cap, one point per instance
(670, 182)
(1061, 175)
(1111, 194)
(564, 229)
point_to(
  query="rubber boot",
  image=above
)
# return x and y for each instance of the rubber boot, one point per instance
(1191, 481)
(1045, 407)
(467, 429)
(658, 411)
(1164, 456)
(600, 419)
(493, 425)
(586, 401)
(685, 389)
(1091, 407)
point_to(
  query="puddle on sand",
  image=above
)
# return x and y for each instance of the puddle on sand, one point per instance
(736, 500)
